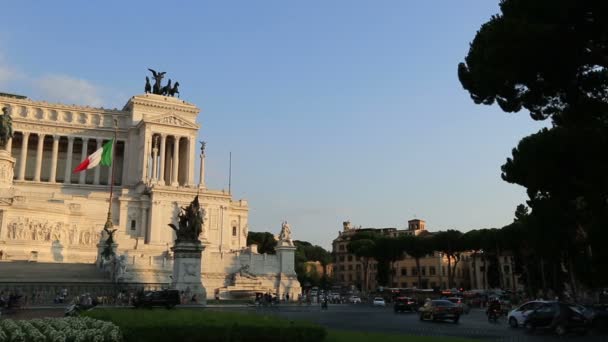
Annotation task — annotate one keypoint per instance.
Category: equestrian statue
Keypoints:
(158, 88)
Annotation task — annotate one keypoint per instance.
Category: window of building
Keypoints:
(443, 285)
(508, 281)
(342, 277)
(234, 231)
(357, 258)
(506, 259)
(350, 267)
(423, 270)
(341, 247)
(414, 271)
(133, 224)
(341, 257)
(395, 285)
(350, 258)
(433, 284)
(350, 277)
(404, 271)
(358, 267)
(341, 267)
(415, 284)
(432, 270)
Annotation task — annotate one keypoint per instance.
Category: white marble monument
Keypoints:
(50, 214)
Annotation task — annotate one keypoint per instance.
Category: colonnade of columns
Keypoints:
(170, 165)
(22, 161)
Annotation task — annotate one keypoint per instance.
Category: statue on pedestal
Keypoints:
(285, 235)
(6, 127)
(190, 222)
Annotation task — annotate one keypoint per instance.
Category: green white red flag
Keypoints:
(102, 156)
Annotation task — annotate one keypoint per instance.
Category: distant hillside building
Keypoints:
(348, 268)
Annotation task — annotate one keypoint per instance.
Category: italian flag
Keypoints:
(102, 155)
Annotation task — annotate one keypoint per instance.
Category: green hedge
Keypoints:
(194, 325)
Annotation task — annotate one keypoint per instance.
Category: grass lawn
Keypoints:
(352, 336)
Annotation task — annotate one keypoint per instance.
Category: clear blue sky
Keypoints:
(333, 110)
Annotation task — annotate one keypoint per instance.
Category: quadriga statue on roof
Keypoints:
(190, 222)
(6, 127)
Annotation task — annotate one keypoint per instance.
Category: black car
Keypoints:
(439, 310)
(166, 298)
(560, 318)
(405, 304)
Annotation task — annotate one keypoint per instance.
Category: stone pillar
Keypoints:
(97, 171)
(187, 269)
(143, 227)
(163, 143)
(54, 156)
(191, 158)
(83, 156)
(288, 280)
(9, 145)
(68, 161)
(39, 152)
(174, 173)
(23, 159)
(155, 159)
(146, 166)
(201, 182)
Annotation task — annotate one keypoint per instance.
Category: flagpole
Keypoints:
(109, 224)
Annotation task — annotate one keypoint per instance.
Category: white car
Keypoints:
(379, 302)
(354, 300)
(517, 316)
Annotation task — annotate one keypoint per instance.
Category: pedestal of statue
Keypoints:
(7, 169)
(187, 270)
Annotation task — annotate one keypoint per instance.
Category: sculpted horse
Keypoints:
(165, 90)
(174, 90)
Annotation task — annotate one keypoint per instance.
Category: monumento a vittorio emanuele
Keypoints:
(50, 214)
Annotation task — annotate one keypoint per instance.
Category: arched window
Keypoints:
(233, 230)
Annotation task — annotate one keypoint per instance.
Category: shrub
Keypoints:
(73, 329)
(201, 325)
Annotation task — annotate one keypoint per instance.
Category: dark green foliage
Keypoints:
(551, 58)
(265, 241)
(305, 252)
(201, 325)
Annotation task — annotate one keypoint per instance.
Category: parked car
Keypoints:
(378, 301)
(459, 301)
(560, 318)
(439, 310)
(166, 298)
(354, 300)
(517, 316)
(405, 303)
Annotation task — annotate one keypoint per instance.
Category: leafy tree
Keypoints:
(265, 241)
(363, 246)
(450, 243)
(548, 56)
(387, 250)
(417, 248)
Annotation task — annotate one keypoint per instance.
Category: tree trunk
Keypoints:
(450, 275)
(418, 272)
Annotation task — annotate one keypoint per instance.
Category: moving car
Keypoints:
(517, 316)
(166, 298)
(405, 303)
(378, 301)
(560, 318)
(464, 308)
(439, 310)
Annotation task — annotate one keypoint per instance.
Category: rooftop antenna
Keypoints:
(230, 174)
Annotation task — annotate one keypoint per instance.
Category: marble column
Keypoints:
(163, 143)
(201, 182)
(68, 161)
(39, 152)
(83, 156)
(144, 221)
(155, 159)
(174, 173)
(9, 145)
(111, 168)
(23, 158)
(54, 156)
(98, 168)
(191, 158)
